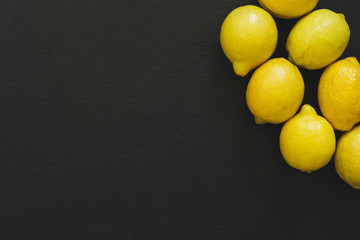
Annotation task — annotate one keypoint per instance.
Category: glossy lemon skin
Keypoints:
(347, 157)
(248, 38)
(339, 93)
(288, 9)
(307, 141)
(318, 39)
(275, 91)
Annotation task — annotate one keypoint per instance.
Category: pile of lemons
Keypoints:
(276, 89)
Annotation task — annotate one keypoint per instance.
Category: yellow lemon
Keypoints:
(248, 38)
(347, 157)
(275, 91)
(339, 93)
(307, 141)
(288, 9)
(318, 39)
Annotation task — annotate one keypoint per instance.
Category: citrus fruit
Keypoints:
(288, 9)
(347, 157)
(339, 93)
(318, 39)
(248, 38)
(275, 91)
(307, 141)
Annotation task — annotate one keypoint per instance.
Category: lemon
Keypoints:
(288, 9)
(248, 38)
(318, 39)
(339, 93)
(347, 157)
(275, 91)
(307, 141)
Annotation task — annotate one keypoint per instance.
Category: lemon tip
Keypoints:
(342, 15)
(259, 121)
(241, 69)
(308, 109)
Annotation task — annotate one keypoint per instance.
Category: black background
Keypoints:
(124, 120)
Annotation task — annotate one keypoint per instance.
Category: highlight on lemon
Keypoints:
(347, 157)
(339, 93)
(288, 9)
(248, 38)
(318, 39)
(307, 141)
(275, 91)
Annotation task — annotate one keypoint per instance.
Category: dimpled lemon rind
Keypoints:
(307, 141)
(248, 38)
(288, 9)
(347, 157)
(275, 91)
(318, 39)
(339, 93)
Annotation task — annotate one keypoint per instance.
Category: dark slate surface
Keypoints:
(124, 120)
